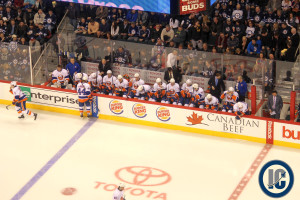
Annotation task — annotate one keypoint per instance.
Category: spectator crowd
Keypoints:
(23, 23)
(240, 27)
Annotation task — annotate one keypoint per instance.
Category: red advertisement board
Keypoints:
(190, 6)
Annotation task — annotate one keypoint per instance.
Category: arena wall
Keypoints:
(251, 128)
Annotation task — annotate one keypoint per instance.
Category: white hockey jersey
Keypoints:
(214, 101)
(172, 90)
(109, 81)
(84, 91)
(139, 82)
(146, 89)
(18, 94)
(157, 87)
(118, 195)
(95, 82)
(199, 92)
(244, 109)
(121, 85)
(187, 88)
(230, 98)
(60, 76)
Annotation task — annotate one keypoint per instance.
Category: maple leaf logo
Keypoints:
(195, 119)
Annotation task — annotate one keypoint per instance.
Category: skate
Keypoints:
(21, 116)
(81, 115)
(35, 116)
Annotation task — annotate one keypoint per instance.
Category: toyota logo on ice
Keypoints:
(143, 176)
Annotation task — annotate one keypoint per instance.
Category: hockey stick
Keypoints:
(8, 106)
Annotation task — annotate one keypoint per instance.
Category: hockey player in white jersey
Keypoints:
(198, 96)
(108, 83)
(77, 79)
(121, 87)
(240, 109)
(172, 92)
(20, 101)
(144, 92)
(211, 102)
(136, 80)
(95, 82)
(158, 91)
(60, 77)
(230, 97)
(119, 192)
(186, 93)
(84, 96)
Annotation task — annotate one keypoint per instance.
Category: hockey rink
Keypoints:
(62, 157)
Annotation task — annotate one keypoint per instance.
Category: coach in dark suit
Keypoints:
(170, 73)
(216, 85)
(275, 105)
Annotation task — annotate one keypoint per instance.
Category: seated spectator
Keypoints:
(93, 27)
(9, 13)
(285, 31)
(23, 41)
(294, 38)
(174, 23)
(13, 44)
(21, 29)
(124, 27)
(238, 13)
(250, 30)
(133, 32)
(31, 31)
(142, 17)
(3, 27)
(221, 43)
(104, 29)
(114, 30)
(122, 57)
(29, 16)
(3, 38)
(144, 34)
(289, 53)
(11, 28)
(132, 16)
(39, 17)
(286, 5)
(50, 21)
(232, 42)
(179, 36)
(253, 48)
(155, 34)
(167, 34)
(101, 12)
(41, 34)
(82, 26)
(228, 28)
